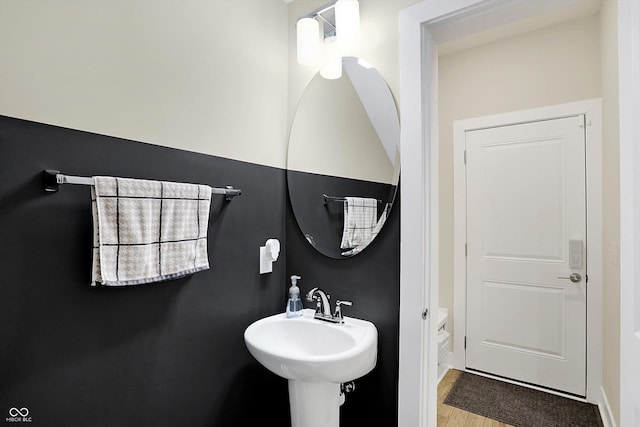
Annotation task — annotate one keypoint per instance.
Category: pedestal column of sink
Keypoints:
(314, 404)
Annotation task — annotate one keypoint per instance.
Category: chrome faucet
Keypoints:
(323, 309)
(322, 301)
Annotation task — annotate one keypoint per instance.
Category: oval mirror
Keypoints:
(343, 163)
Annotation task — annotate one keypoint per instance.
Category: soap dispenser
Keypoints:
(294, 305)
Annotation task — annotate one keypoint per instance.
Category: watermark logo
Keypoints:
(18, 415)
(14, 412)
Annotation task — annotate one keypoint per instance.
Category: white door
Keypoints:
(526, 237)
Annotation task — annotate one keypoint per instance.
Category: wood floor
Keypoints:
(448, 416)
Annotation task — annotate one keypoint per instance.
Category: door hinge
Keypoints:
(465, 249)
(586, 278)
(585, 122)
(465, 157)
(465, 342)
(425, 314)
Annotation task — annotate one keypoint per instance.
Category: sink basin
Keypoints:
(308, 349)
(315, 357)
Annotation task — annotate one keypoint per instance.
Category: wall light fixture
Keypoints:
(326, 34)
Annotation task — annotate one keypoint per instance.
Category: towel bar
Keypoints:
(52, 179)
(326, 199)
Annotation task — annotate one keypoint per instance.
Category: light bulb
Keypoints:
(308, 40)
(332, 69)
(347, 22)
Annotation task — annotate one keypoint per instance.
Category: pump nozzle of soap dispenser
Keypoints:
(294, 304)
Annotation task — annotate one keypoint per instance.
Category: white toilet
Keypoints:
(443, 342)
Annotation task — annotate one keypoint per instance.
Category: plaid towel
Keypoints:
(148, 231)
(360, 218)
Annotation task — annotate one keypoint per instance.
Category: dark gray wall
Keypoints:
(371, 280)
(164, 354)
(169, 353)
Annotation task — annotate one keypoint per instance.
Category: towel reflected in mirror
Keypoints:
(361, 223)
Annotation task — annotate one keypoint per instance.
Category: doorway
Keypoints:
(420, 184)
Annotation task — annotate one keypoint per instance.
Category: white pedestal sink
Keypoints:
(315, 357)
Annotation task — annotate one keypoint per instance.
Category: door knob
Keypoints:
(575, 278)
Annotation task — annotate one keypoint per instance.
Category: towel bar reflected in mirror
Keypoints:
(326, 199)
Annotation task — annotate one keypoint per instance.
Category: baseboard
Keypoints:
(605, 410)
(444, 366)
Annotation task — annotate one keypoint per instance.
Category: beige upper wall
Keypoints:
(611, 207)
(218, 77)
(205, 76)
(554, 65)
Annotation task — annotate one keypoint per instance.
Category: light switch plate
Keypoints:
(266, 265)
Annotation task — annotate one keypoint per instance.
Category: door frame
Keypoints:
(629, 107)
(417, 357)
(592, 109)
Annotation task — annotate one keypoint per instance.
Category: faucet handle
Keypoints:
(338, 313)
